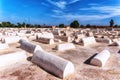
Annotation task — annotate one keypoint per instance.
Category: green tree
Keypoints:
(8, 24)
(116, 26)
(82, 26)
(0, 25)
(74, 24)
(28, 25)
(88, 26)
(61, 25)
(4, 24)
(111, 23)
(14, 25)
(23, 24)
(19, 25)
(39, 26)
(36, 25)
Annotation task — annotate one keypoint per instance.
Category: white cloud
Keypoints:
(60, 4)
(58, 11)
(93, 4)
(73, 1)
(79, 17)
(103, 8)
(102, 12)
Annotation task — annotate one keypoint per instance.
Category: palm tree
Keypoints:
(111, 23)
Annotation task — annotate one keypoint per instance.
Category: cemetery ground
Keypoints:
(83, 71)
(80, 57)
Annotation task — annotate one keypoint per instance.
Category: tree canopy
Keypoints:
(74, 24)
(61, 25)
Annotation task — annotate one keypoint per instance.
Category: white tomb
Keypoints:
(31, 48)
(9, 59)
(53, 64)
(88, 41)
(101, 58)
(65, 46)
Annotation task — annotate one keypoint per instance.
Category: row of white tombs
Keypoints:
(51, 63)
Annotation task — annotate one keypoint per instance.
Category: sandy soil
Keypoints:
(83, 70)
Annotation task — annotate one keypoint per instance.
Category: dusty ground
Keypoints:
(83, 71)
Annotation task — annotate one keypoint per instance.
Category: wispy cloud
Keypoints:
(111, 11)
(79, 17)
(93, 4)
(73, 1)
(60, 4)
(103, 8)
(102, 12)
(58, 11)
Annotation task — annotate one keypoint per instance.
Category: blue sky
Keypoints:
(54, 12)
